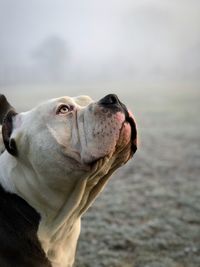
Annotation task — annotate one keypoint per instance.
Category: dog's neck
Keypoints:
(59, 226)
(60, 207)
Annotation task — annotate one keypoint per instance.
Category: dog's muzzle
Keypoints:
(113, 103)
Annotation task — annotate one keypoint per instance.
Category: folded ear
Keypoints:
(7, 114)
(7, 129)
(4, 107)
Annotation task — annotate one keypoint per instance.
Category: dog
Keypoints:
(55, 159)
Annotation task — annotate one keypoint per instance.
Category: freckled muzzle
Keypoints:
(114, 105)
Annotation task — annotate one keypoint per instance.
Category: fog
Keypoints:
(78, 42)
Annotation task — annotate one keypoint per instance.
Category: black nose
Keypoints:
(109, 100)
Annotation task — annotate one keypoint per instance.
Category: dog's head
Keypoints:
(75, 131)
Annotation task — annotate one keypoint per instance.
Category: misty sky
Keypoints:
(65, 40)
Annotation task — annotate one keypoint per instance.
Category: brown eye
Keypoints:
(63, 109)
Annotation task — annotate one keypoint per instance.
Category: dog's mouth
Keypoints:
(129, 119)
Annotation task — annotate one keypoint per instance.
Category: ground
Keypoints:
(149, 214)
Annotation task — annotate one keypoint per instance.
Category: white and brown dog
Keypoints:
(55, 159)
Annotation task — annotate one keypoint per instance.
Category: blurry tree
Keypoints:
(51, 58)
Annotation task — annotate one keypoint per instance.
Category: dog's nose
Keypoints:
(109, 100)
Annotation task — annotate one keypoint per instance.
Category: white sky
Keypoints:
(130, 39)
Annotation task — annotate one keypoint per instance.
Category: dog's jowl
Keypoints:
(54, 161)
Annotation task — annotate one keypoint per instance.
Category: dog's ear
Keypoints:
(4, 107)
(7, 114)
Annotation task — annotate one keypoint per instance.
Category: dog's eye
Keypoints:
(63, 109)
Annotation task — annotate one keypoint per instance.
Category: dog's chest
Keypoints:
(19, 245)
(60, 247)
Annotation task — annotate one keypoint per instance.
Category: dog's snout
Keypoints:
(109, 100)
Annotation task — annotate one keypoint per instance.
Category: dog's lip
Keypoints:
(130, 119)
(132, 123)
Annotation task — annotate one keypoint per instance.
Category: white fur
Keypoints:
(53, 171)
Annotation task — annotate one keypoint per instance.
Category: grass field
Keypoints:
(149, 214)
